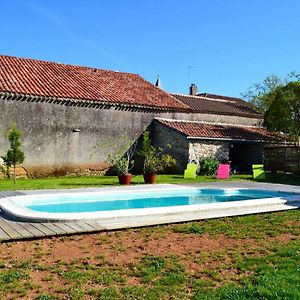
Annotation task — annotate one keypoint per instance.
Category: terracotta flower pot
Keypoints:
(125, 179)
(149, 178)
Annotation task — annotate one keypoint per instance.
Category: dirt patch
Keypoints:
(210, 258)
(67, 170)
(284, 238)
(125, 247)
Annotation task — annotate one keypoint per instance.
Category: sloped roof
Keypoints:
(203, 130)
(50, 79)
(221, 105)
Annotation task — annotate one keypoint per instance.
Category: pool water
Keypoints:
(134, 200)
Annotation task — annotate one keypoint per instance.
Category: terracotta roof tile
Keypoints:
(218, 97)
(218, 131)
(50, 79)
(215, 104)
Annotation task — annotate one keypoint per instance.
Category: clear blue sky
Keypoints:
(223, 46)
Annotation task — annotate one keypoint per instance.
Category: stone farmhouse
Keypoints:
(68, 116)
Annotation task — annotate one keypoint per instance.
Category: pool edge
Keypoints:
(168, 215)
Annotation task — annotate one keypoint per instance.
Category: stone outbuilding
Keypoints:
(193, 140)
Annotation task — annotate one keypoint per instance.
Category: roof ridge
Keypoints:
(200, 96)
(205, 122)
(217, 95)
(186, 95)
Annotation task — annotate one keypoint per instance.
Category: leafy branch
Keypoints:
(154, 158)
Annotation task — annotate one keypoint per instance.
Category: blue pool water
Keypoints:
(133, 200)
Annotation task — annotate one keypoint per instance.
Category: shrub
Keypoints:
(14, 155)
(208, 166)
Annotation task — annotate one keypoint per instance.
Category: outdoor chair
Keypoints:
(223, 171)
(191, 170)
(258, 172)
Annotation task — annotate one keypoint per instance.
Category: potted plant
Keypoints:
(122, 161)
(123, 166)
(154, 159)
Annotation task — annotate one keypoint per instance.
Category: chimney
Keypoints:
(193, 89)
(158, 83)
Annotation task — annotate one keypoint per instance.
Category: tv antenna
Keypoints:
(189, 69)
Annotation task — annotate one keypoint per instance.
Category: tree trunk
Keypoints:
(14, 173)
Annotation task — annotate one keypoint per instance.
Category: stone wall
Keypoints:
(199, 149)
(63, 137)
(49, 138)
(223, 119)
(184, 149)
(162, 136)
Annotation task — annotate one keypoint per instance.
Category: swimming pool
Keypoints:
(138, 201)
(131, 200)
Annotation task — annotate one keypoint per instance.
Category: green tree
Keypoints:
(260, 93)
(14, 155)
(283, 113)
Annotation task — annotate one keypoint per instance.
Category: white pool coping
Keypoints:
(11, 206)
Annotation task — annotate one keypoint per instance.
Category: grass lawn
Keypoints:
(249, 257)
(81, 182)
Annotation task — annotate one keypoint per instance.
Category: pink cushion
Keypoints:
(223, 171)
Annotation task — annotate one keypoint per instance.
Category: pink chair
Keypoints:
(223, 171)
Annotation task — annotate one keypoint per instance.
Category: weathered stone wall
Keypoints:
(162, 136)
(199, 149)
(50, 142)
(49, 138)
(224, 119)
